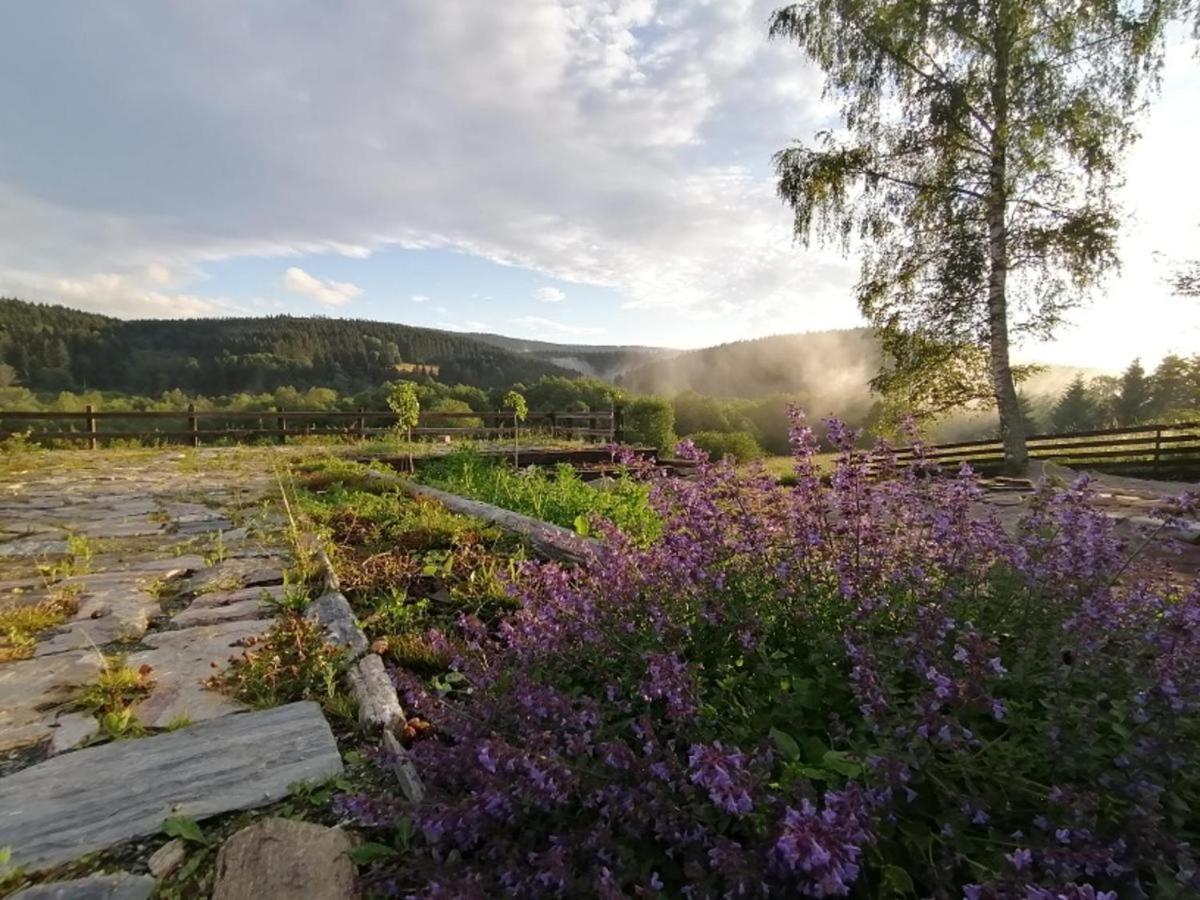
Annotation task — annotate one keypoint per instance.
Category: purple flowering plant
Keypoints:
(853, 686)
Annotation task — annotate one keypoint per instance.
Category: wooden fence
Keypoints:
(1168, 451)
(92, 428)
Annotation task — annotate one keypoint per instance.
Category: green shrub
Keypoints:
(741, 445)
(650, 421)
(450, 405)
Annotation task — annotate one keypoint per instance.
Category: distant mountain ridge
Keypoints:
(606, 361)
(58, 348)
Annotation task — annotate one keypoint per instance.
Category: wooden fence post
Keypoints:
(193, 425)
(1157, 449)
(360, 425)
(281, 422)
(618, 423)
(553, 425)
(91, 426)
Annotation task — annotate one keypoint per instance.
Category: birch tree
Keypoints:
(982, 144)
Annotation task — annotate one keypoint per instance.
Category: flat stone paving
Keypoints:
(93, 798)
(174, 559)
(184, 560)
(1132, 504)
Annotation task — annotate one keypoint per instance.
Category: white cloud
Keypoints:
(549, 295)
(329, 293)
(419, 298)
(468, 325)
(157, 273)
(541, 326)
(113, 294)
(628, 147)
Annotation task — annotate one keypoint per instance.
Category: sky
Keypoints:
(587, 171)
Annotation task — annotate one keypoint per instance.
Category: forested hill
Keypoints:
(56, 348)
(827, 370)
(605, 361)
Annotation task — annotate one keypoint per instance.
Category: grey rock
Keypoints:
(71, 730)
(176, 565)
(72, 805)
(121, 528)
(167, 858)
(378, 705)
(237, 572)
(213, 614)
(118, 886)
(204, 526)
(111, 608)
(284, 859)
(34, 546)
(29, 687)
(335, 616)
(225, 598)
(181, 662)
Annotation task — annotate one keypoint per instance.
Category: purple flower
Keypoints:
(820, 848)
(722, 773)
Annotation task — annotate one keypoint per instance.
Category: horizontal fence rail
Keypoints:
(1167, 451)
(94, 427)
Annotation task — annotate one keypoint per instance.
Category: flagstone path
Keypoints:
(172, 559)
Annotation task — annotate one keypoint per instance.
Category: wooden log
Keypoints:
(548, 540)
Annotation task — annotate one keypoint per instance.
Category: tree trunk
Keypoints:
(1012, 427)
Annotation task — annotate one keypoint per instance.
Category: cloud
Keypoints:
(329, 293)
(419, 298)
(549, 295)
(468, 325)
(628, 147)
(110, 293)
(541, 326)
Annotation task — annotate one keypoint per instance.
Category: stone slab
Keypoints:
(224, 598)
(91, 799)
(112, 608)
(231, 574)
(206, 614)
(72, 729)
(117, 886)
(181, 662)
(30, 688)
(283, 859)
(121, 528)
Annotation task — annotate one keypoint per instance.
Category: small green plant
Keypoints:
(117, 687)
(10, 876)
(81, 553)
(186, 829)
(16, 443)
(293, 600)
(20, 625)
(292, 661)
(394, 613)
(515, 401)
(216, 550)
(114, 693)
(402, 400)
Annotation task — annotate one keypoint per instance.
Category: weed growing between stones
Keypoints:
(114, 693)
(851, 687)
(20, 625)
(291, 662)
